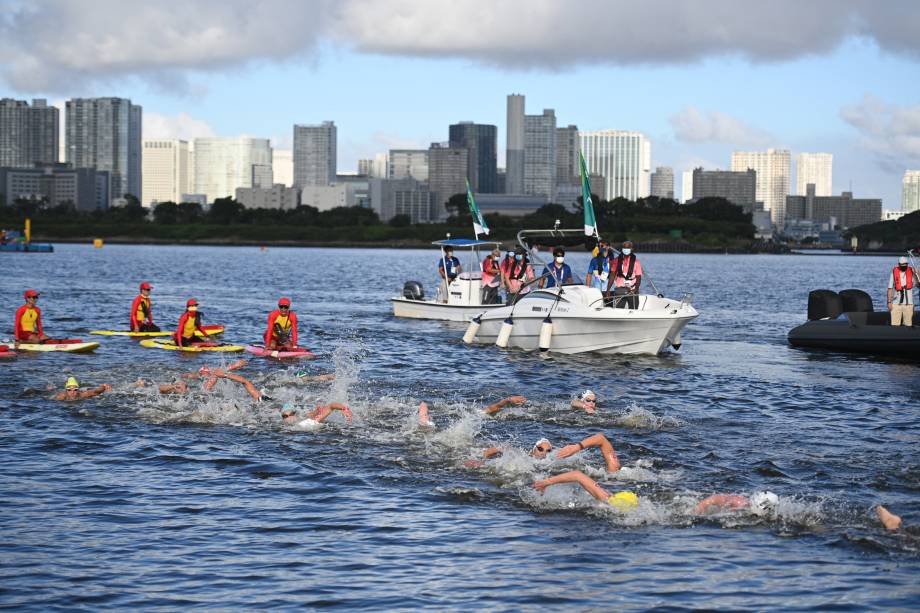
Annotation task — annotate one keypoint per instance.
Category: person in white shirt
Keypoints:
(900, 293)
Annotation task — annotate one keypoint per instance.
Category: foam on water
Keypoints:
(639, 418)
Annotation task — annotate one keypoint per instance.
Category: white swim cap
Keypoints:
(763, 502)
(586, 393)
(540, 442)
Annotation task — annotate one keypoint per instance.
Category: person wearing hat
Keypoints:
(599, 268)
(586, 402)
(141, 314)
(28, 327)
(900, 293)
(760, 504)
(626, 277)
(518, 272)
(558, 272)
(72, 391)
(189, 324)
(281, 334)
(448, 269)
(543, 447)
(624, 501)
(491, 277)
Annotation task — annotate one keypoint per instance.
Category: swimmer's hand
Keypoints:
(567, 451)
(516, 400)
(473, 464)
(540, 486)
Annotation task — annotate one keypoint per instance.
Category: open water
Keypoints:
(133, 500)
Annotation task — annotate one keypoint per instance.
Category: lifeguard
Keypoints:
(281, 333)
(141, 313)
(29, 320)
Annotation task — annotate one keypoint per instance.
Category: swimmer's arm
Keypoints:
(595, 440)
(578, 404)
(105, 387)
(59, 396)
(237, 365)
(210, 383)
(491, 452)
(575, 476)
(317, 378)
(498, 406)
(720, 501)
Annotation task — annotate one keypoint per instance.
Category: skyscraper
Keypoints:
(567, 170)
(224, 164)
(663, 182)
(408, 164)
(28, 134)
(686, 186)
(447, 172)
(105, 134)
(481, 141)
(910, 191)
(623, 158)
(283, 167)
(315, 151)
(165, 171)
(514, 155)
(737, 187)
(540, 154)
(815, 168)
(772, 168)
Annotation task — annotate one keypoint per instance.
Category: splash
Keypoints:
(642, 419)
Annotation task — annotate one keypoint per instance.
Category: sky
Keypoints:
(700, 78)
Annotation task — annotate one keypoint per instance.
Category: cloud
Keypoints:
(890, 131)
(181, 126)
(691, 125)
(65, 46)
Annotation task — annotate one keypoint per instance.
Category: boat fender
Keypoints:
(505, 333)
(546, 334)
(676, 342)
(472, 330)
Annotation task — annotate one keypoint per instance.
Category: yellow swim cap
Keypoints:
(71, 382)
(624, 501)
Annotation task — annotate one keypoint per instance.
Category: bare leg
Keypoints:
(888, 519)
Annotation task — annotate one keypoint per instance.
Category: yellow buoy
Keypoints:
(97, 243)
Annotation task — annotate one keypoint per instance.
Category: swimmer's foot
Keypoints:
(888, 519)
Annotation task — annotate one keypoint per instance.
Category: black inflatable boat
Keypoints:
(847, 322)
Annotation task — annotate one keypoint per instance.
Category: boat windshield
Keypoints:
(537, 241)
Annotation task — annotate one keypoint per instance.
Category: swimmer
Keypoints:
(587, 402)
(492, 409)
(179, 387)
(759, 504)
(891, 521)
(316, 416)
(623, 501)
(212, 375)
(543, 447)
(72, 391)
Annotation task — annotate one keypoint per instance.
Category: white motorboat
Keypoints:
(463, 299)
(576, 319)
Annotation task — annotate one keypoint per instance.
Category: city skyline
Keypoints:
(697, 99)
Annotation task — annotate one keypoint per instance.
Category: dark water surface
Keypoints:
(136, 500)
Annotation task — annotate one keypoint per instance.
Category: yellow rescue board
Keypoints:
(171, 346)
(212, 330)
(65, 347)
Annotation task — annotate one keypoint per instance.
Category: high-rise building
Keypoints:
(28, 134)
(408, 164)
(814, 168)
(392, 197)
(481, 141)
(165, 171)
(841, 212)
(737, 187)
(540, 154)
(514, 153)
(224, 164)
(662, 182)
(910, 191)
(86, 189)
(376, 167)
(447, 172)
(686, 186)
(315, 151)
(623, 158)
(277, 196)
(567, 170)
(772, 168)
(283, 167)
(105, 134)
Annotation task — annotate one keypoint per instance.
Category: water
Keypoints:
(138, 500)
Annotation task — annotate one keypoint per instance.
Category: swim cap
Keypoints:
(145, 285)
(624, 501)
(763, 502)
(586, 393)
(540, 442)
(71, 382)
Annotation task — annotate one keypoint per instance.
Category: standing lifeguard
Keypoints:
(281, 333)
(141, 314)
(189, 324)
(29, 320)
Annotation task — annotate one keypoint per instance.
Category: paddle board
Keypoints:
(171, 346)
(300, 352)
(72, 346)
(6, 352)
(212, 330)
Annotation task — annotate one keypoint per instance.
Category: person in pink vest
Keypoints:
(625, 278)
(491, 277)
(900, 293)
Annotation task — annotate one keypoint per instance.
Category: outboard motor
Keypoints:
(824, 304)
(856, 301)
(413, 290)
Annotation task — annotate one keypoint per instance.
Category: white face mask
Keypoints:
(560, 259)
(627, 251)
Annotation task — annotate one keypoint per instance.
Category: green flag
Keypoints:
(479, 224)
(590, 221)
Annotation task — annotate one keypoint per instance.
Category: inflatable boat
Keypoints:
(847, 322)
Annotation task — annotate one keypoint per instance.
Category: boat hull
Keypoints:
(842, 335)
(429, 309)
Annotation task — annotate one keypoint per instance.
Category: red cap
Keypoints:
(191, 302)
(31, 293)
(145, 285)
(284, 302)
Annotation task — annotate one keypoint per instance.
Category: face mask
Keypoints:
(902, 266)
(560, 259)
(519, 257)
(627, 251)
